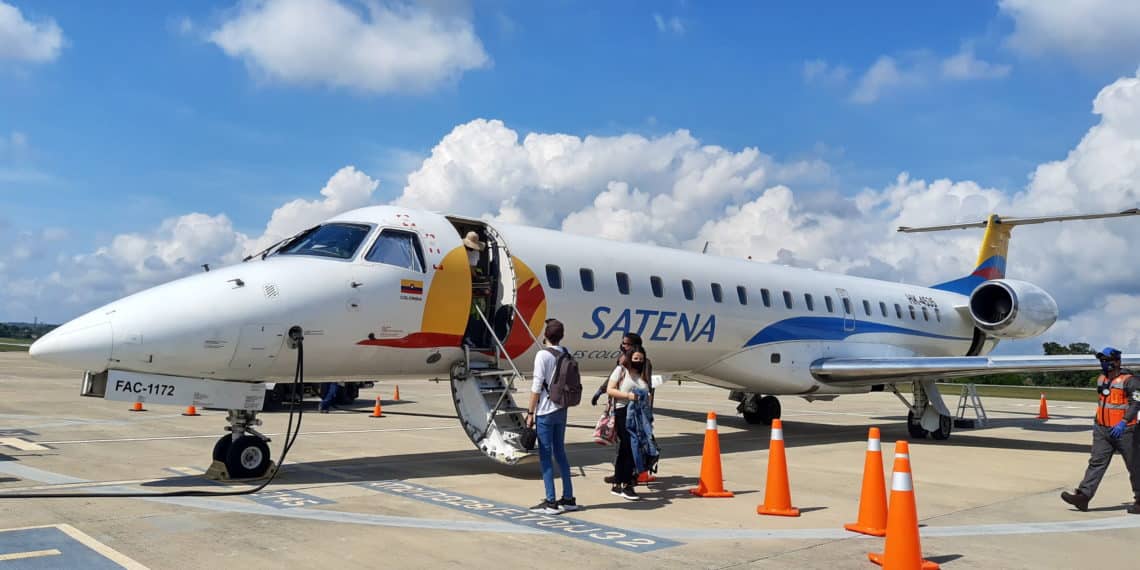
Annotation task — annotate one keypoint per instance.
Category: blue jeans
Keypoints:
(552, 442)
(331, 388)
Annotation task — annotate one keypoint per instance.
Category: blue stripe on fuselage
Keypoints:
(829, 328)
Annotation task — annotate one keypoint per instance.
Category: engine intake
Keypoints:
(1006, 308)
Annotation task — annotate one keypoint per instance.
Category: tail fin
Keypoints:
(995, 245)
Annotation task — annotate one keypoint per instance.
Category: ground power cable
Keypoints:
(290, 438)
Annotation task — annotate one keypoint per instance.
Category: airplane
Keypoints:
(385, 292)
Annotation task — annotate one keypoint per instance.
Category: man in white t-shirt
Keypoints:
(549, 419)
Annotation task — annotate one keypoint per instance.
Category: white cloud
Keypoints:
(347, 189)
(965, 66)
(819, 71)
(373, 47)
(672, 25)
(888, 74)
(1085, 30)
(25, 41)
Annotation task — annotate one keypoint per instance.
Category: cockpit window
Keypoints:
(338, 241)
(399, 248)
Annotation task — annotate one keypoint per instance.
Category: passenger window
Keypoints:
(687, 288)
(554, 276)
(867, 307)
(766, 297)
(623, 283)
(827, 302)
(912, 317)
(787, 299)
(809, 302)
(398, 248)
(338, 241)
(847, 306)
(925, 315)
(742, 294)
(898, 310)
(657, 286)
(718, 295)
(883, 309)
(587, 276)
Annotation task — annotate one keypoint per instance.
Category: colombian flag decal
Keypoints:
(411, 287)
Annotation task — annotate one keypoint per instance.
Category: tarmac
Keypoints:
(410, 491)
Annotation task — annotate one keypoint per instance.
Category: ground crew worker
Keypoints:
(1118, 401)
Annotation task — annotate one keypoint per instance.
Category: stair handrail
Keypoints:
(502, 397)
(526, 326)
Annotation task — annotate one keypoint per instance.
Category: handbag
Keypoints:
(528, 437)
(605, 432)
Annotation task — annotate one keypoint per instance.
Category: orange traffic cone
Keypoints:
(1043, 413)
(873, 500)
(903, 549)
(376, 411)
(191, 411)
(712, 481)
(138, 407)
(777, 493)
(397, 396)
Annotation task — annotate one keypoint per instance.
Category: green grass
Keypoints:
(6, 344)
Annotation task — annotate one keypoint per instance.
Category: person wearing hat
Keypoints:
(1118, 401)
(474, 249)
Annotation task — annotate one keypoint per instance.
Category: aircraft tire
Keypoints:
(769, 409)
(914, 428)
(753, 418)
(222, 447)
(247, 458)
(945, 425)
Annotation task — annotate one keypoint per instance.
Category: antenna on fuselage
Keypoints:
(705, 249)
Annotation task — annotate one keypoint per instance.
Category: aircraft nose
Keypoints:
(82, 345)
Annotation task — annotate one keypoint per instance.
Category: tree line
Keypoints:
(1086, 379)
(28, 331)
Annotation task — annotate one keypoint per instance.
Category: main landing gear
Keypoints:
(243, 453)
(928, 415)
(757, 409)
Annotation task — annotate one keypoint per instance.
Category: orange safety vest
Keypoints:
(1110, 408)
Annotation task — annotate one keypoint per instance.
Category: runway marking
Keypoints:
(232, 506)
(21, 444)
(215, 436)
(29, 554)
(286, 499)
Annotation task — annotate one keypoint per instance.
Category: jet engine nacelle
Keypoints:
(1006, 308)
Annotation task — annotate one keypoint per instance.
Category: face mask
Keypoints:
(1106, 366)
(637, 366)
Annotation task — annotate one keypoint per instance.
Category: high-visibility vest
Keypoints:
(1110, 408)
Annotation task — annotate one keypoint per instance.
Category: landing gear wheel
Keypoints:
(914, 428)
(945, 424)
(753, 417)
(769, 409)
(247, 458)
(222, 447)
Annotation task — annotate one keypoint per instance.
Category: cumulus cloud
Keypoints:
(820, 71)
(349, 188)
(965, 66)
(365, 46)
(25, 41)
(1085, 30)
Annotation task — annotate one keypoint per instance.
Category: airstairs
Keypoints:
(483, 388)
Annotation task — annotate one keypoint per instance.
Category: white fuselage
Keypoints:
(366, 319)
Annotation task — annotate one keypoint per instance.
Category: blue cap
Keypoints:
(1108, 352)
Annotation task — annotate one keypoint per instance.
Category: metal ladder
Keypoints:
(969, 400)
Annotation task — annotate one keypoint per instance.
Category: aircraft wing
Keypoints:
(868, 371)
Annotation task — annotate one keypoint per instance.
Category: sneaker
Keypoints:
(568, 505)
(547, 508)
(616, 490)
(629, 494)
(1081, 502)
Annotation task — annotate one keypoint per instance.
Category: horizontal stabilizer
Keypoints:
(868, 371)
(1019, 221)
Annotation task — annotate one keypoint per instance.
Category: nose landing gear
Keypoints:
(243, 453)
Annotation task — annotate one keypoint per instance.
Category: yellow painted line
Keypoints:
(29, 554)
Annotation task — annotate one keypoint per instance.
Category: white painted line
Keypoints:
(21, 444)
(85, 484)
(32, 474)
(215, 435)
(107, 552)
(29, 554)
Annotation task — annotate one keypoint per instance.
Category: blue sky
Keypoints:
(143, 114)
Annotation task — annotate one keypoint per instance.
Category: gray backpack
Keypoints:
(565, 388)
